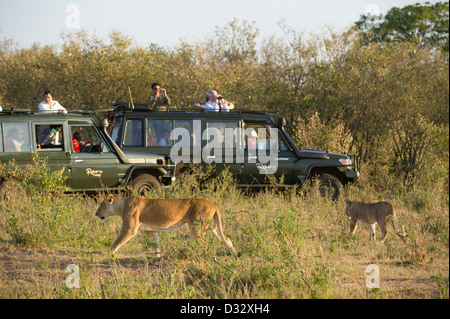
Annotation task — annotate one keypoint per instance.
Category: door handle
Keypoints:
(252, 157)
(78, 161)
(211, 157)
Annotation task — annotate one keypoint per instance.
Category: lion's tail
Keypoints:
(218, 231)
(400, 231)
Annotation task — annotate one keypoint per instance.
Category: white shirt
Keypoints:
(210, 106)
(162, 142)
(44, 107)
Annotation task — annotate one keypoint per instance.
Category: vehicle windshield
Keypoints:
(115, 130)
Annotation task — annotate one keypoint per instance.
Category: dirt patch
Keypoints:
(16, 260)
(13, 259)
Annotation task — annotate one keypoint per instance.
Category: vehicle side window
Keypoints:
(49, 137)
(85, 139)
(158, 132)
(253, 134)
(16, 137)
(133, 133)
(188, 125)
(227, 133)
(283, 146)
(115, 130)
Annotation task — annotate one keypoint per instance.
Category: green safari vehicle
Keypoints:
(252, 145)
(73, 141)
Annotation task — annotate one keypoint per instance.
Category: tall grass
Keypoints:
(293, 245)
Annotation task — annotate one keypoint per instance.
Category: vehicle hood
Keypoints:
(307, 153)
(142, 158)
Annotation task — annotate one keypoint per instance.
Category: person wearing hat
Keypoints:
(216, 102)
(252, 140)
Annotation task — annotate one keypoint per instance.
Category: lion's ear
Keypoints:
(110, 198)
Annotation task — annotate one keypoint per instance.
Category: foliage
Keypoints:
(35, 178)
(425, 24)
(315, 134)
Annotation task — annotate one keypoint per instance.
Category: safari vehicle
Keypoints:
(91, 163)
(224, 139)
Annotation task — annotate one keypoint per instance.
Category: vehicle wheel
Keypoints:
(144, 183)
(329, 186)
(8, 189)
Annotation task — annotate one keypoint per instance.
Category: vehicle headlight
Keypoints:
(346, 161)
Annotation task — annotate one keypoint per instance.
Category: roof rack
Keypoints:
(127, 107)
(90, 111)
(16, 111)
(122, 106)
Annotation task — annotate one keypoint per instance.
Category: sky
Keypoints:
(167, 22)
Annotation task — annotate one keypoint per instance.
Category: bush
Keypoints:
(35, 178)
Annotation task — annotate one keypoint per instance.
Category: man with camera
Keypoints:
(217, 103)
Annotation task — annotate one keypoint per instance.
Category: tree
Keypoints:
(426, 24)
(411, 138)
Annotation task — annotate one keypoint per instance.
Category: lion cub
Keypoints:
(372, 213)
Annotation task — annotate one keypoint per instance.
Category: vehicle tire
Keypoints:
(9, 188)
(144, 183)
(329, 186)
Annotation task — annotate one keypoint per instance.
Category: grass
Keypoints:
(293, 246)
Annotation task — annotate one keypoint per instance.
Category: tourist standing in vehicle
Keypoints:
(159, 99)
(217, 103)
(49, 105)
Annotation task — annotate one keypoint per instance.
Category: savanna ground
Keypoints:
(294, 244)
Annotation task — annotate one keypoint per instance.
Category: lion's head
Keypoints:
(105, 209)
(348, 209)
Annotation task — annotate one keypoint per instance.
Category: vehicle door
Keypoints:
(51, 145)
(223, 145)
(266, 155)
(286, 161)
(186, 141)
(93, 165)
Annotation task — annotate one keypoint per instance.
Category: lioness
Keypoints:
(153, 215)
(371, 213)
